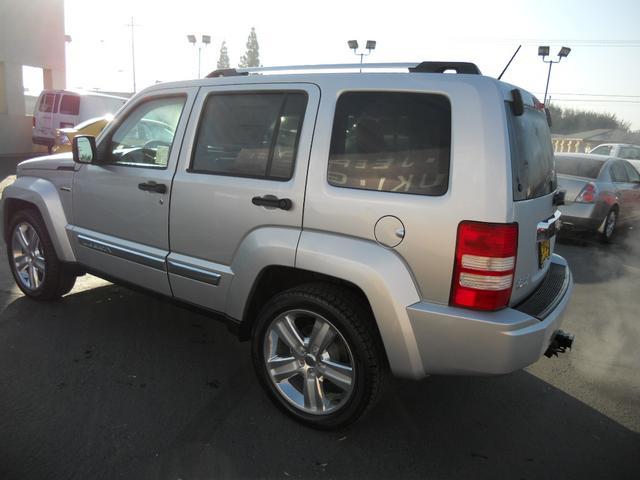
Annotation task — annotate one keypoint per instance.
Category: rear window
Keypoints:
(391, 142)
(46, 103)
(579, 166)
(531, 154)
(70, 105)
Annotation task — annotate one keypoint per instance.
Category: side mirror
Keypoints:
(84, 149)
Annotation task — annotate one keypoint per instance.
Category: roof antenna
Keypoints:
(514, 56)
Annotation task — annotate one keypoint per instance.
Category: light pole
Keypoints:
(206, 40)
(353, 45)
(544, 52)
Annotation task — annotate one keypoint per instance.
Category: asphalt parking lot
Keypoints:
(109, 383)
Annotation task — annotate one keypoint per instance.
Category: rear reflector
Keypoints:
(484, 265)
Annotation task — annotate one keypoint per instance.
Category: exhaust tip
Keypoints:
(560, 343)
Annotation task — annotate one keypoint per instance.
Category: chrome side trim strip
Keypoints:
(122, 252)
(194, 273)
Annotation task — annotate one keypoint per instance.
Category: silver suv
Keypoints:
(348, 224)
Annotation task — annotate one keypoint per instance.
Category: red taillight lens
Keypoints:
(33, 121)
(588, 194)
(484, 265)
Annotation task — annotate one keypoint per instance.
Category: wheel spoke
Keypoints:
(33, 277)
(20, 262)
(282, 368)
(288, 332)
(22, 240)
(313, 394)
(34, 241)
(321, 337)
(340, 374)
(38, 262)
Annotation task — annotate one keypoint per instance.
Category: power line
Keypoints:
(593, 100)
(593, 95)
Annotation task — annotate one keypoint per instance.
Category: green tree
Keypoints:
(568, 120)
(223, 60)
(252, 56)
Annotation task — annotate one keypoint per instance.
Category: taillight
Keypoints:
(33, 121)
(485, 263)
(588, 194)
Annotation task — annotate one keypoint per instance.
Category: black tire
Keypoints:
(346, 312)
(57, 280)
(608, 231)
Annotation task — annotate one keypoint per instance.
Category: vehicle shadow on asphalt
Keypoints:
(109, 383)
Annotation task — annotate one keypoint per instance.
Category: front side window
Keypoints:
(602, 150)
(391, 142)
(70, 105)
(146, 135)
(250, 134)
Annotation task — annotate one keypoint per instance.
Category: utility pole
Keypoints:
(133, 52)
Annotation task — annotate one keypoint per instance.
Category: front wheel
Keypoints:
(318, 356)
(33, 260)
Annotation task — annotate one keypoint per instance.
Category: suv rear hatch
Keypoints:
(534, 185)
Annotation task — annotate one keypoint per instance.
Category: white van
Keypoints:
(63, 109)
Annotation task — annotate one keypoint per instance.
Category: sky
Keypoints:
(602, 72)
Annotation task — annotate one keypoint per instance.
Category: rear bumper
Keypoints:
(467, 342)
(582, 216)
(43, 140)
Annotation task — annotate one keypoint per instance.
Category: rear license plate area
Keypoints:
(544, 252)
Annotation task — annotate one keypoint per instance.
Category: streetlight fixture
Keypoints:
(543, 51)
(205, 40)
(353, 45)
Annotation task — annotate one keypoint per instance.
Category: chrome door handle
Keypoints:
(272, 201)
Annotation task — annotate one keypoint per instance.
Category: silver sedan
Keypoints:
(601, 192)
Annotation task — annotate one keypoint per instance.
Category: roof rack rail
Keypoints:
(336, 66)
(414, 67)
(441, 67)
(226, 72)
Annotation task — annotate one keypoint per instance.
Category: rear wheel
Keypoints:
(609, 227)
(33, 260)
(317, 357)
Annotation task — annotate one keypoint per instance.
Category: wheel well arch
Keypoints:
(11, 206)
(276, 278)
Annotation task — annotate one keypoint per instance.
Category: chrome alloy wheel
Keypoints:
(611, 223)
(28, 257)
(309, 362)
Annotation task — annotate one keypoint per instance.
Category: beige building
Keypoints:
(31, 34)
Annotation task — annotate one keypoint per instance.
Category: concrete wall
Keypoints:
(31, 33)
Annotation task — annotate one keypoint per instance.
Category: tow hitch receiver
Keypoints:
(560, 343)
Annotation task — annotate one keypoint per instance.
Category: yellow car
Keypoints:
(64, 136)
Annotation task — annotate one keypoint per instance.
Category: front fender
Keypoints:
(44, 195)
(385, 280)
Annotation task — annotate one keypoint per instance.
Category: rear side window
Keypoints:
(70, 105)
(250, 134)
(618, 173)
(578, 166)
(391, 142)
(632, 173)
(532, 161)
(631, 153)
